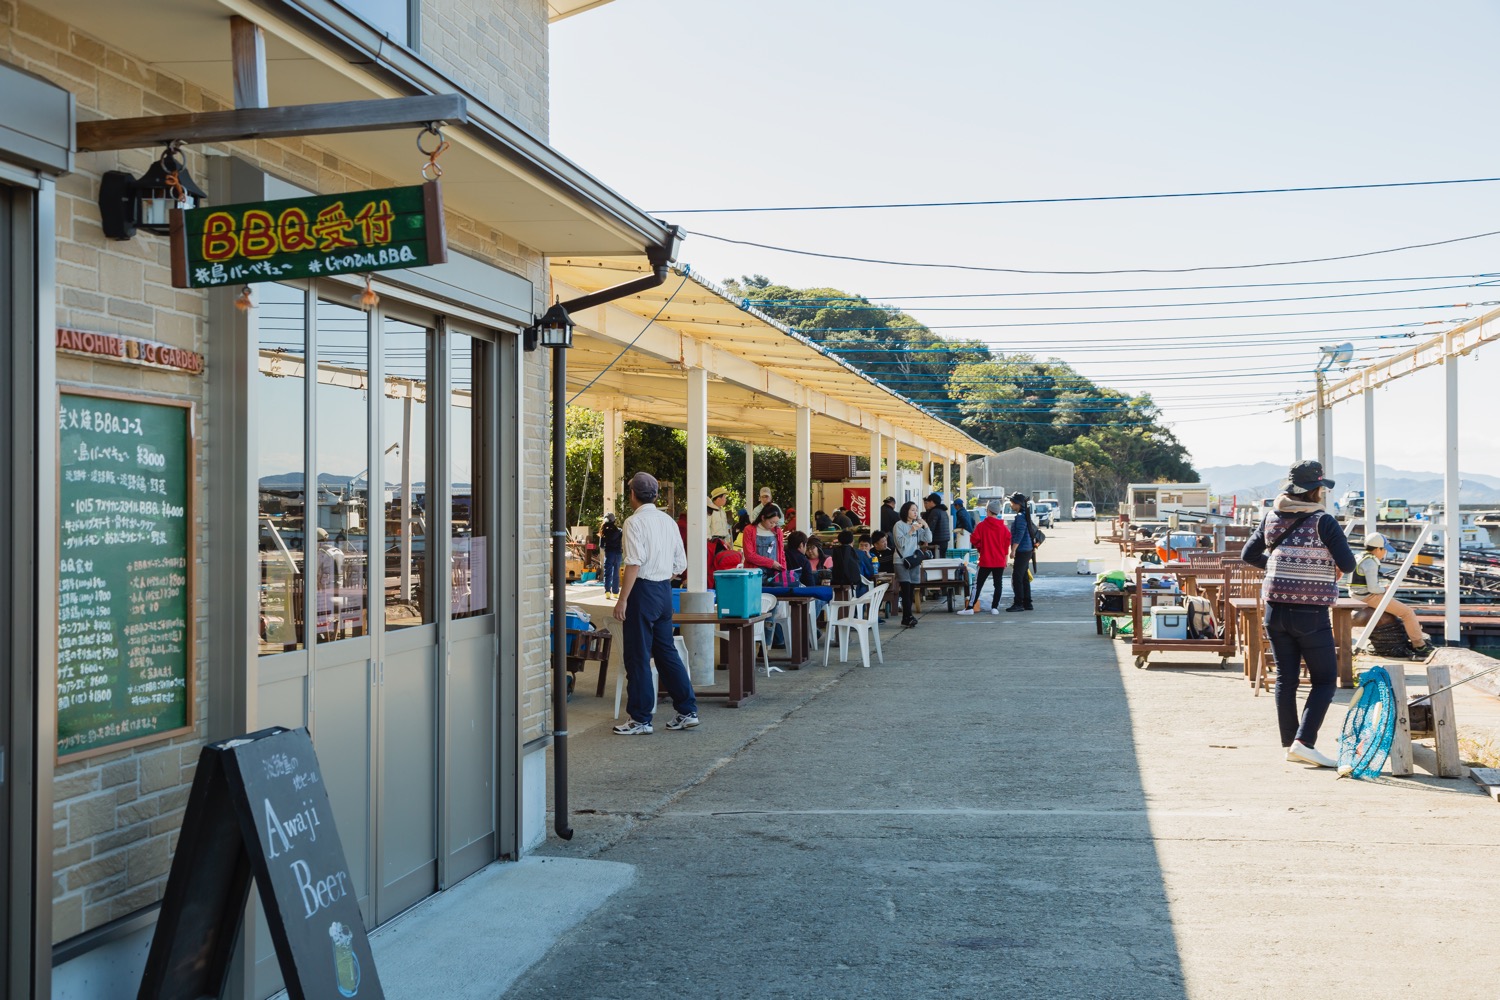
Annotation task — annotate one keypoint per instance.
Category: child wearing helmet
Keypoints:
(1365, 584)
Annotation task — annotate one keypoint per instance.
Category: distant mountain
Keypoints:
(1264, 479)
(293, 481)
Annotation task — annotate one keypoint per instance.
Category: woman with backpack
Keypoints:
(907, 537)
(1023, 541)
(1302, 548)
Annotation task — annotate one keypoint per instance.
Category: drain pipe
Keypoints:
(660, 257)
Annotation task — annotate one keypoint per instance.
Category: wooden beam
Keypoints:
(272, 123)
(247, 48)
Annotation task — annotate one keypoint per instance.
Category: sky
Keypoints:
(707, 104)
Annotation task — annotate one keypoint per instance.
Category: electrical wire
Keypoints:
(590, 383)
(1142, 319)
(1137, 270)
(1233, 192)
(871, 299)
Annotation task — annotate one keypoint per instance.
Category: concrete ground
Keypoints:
(1007, 808)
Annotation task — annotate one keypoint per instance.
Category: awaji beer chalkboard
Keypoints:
(125, 571)
(259, 809)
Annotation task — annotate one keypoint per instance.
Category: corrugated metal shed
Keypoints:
(1025, 470)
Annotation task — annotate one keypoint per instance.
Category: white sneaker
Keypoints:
(1308, 755)
(966, 611)
(631, 727)
(994, 611)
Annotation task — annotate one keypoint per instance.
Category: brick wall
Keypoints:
(116, 816)
(499, 50)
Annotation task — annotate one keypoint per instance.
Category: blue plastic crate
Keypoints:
(737, 592)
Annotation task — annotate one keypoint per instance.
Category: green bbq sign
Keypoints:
(311, 237)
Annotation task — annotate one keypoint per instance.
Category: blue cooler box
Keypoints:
(737, 592)
(576, 620)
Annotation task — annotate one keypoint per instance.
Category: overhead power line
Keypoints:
(1134, 270)
(1228, 193)
(874, 300)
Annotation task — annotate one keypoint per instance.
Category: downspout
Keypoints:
(660, 258)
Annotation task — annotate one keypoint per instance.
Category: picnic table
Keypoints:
(1251, 614)
(799, 644)
(741, 654)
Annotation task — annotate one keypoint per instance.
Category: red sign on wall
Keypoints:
(857, 502)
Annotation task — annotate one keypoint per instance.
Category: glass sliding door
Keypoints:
(407, 743)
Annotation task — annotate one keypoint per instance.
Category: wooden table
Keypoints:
(741, 654)
(798, 646)
(1252, 620)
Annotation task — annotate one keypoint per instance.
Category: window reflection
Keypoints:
(468, 525)
(341, 494)
(408, 475)
(280, 461)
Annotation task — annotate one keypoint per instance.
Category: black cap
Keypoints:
(933, 497)
(1019, 499)
(1306, 476)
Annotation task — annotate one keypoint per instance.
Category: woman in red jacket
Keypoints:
(992, 538)
(762, 543)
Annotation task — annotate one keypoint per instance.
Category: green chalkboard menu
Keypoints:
(125, 570)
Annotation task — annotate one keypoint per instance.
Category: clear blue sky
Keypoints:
(684, 104)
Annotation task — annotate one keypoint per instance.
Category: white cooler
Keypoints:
(1090, 567)
(1169, 622)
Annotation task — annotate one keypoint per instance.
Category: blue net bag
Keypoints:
(1369, 727)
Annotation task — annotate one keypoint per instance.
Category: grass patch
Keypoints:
(1479, 750)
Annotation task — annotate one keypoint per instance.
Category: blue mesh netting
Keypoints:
(1369, 727)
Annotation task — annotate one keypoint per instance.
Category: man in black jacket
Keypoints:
(888, 515)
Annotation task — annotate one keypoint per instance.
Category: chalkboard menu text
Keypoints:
(125, 570)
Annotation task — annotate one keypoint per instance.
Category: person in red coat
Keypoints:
(992, 538)
(763, 545)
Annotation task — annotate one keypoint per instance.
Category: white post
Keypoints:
(926, 484)
(876, 493)
(1324, 429)
(890, 472)
(611, 458)
(699, 638)
(1452, 522)
(1296, 439)
(1369, 456)
(963, 477)
(749, 476)
(804, 469)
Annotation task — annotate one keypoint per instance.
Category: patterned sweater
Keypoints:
(1304, 568)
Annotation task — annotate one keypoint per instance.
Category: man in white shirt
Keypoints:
(765, 498)
(718, 521)
(653, 555)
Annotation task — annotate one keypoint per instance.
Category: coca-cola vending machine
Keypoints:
(857, 502)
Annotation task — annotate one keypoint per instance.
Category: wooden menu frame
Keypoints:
(190, 470)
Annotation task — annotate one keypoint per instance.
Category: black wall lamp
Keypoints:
(127, 203)
(554, 329)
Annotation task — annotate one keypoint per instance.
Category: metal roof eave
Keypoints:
(717, 323)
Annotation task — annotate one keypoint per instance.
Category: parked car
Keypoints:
(1045, 512)
(1083, 511)
(1392, 510)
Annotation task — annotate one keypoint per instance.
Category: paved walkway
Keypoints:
(1007, 808)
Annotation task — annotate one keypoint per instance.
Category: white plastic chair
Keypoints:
(865, 619)
(682, 652)
(768, 602)
(835, 608)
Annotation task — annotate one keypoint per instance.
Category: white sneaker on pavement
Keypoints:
(994, 611)
(966, 611)
(1308, 755)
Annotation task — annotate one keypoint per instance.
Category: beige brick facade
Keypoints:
(116, 816)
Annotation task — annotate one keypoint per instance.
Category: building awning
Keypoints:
(559, 9)
(496, 173)
(760, 372)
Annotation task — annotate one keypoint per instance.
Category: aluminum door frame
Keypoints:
(28, 369)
